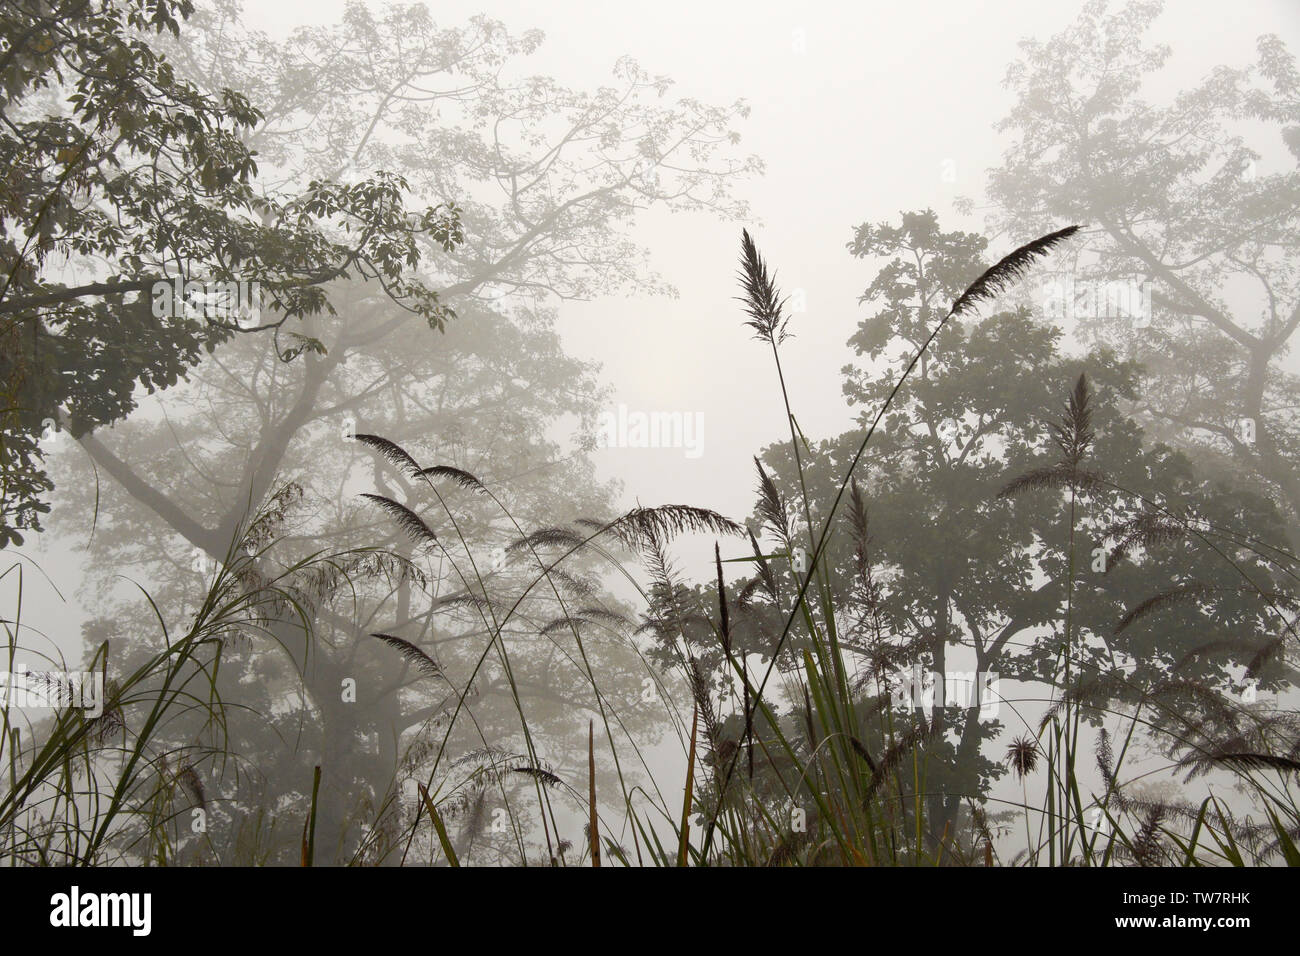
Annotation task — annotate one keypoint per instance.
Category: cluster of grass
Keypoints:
(113, 786)
(795, 754)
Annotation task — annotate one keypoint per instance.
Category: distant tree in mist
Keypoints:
(1198, 195)
(123, 177)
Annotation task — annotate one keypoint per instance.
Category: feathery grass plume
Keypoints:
(393, 453)
(1196, 692)
(861, 750)
(765, 579)
(667, 612)
(562, 623)
(545, 538)
(100, 729)
(1190, 591)
(700, 691)
(190, 782)
(662, 523)
(763, 303)
(486, 760)
(582, 616)
(1105, 758)
(1255, 761)
(1146, 848)
(770, 507)
(1263, 657)
(1022, 756)
(666, 624)
(475, 815)
(604, 615)
(406, 519)
(458, 475)
(1008, 270)
(319, 583)
(859, 527)
(1051, 477)
(983, 832)
(893, 756)
(271, 517)
(864, 592)
(745, 596)
(541, 774)
(1074, 434)
(1212, 647)
(1146, 530)
(1186, 812)
(469, 599)
(412, 654)
(574, 585)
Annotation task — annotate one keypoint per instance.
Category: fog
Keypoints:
(603, 365)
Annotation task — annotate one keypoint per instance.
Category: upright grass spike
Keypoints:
(771, 509)
(724, 629)
(1074, 434)
(762, 301)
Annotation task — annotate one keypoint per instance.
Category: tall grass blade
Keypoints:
(441, 829)
(684, 841)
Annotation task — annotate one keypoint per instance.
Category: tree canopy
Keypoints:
(123, 175)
